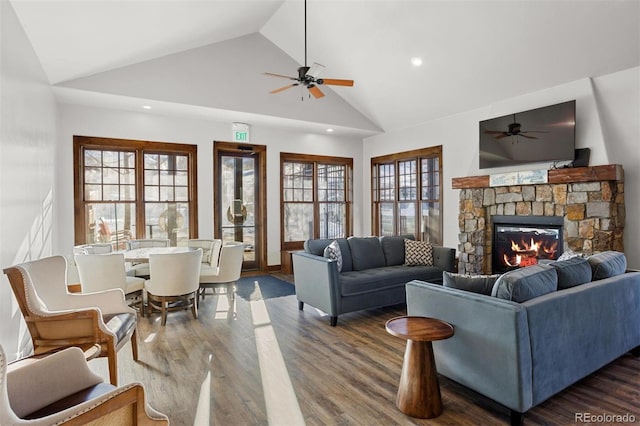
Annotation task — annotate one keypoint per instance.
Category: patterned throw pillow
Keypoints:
(332, 251)
(569, 254)
(418, 253)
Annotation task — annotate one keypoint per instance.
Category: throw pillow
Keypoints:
(332, 251)
(572, 272)
(482, 284)
(607, 264)
(569, 254)
(418, 253)
(523, 284)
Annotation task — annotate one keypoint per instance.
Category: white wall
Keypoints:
(89, 121)
(27, 152)
(607, 111)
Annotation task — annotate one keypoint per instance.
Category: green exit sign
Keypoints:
(240, 132)
(241, 136)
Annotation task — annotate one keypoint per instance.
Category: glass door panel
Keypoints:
(238, 189)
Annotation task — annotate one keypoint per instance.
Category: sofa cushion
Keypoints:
(418, 253)
(482, 284)
(366, 253)
(317, 247)
(572, 272)
(526, 283)
(393, 249)
(332, 251)
(375, 279)
(607, 264)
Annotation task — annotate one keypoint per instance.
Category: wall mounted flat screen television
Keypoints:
(534, 136)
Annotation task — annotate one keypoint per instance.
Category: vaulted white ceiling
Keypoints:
(205, 58)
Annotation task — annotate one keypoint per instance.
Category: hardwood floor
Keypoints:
(259, 363)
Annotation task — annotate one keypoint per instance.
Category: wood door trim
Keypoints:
(261, 218)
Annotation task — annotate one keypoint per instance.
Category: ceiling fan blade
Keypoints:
(315, 70)
(336, 82)
(283, 88)
(316, 92)
(503, 135)
(278, 75)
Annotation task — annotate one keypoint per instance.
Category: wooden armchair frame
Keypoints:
(39, 384)
(81, 324)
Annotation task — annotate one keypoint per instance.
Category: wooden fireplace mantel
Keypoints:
(611, 172)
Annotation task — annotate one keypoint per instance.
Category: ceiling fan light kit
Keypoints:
(309, 76)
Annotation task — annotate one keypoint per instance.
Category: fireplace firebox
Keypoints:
(520, 241)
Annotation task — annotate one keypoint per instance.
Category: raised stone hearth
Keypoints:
(590, 199)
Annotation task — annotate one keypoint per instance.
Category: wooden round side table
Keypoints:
(419, 390)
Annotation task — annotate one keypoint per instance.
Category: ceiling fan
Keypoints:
(514, 129)
(309, 76)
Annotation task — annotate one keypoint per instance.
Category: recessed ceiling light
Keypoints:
(146, 106)
(329, 130)
(416, 61)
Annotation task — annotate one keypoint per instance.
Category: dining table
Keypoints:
(141, 255)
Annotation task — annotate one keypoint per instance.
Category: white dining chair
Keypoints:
(174, 282)
(142, 269)
(96, 248)
(98, 272)
(210, 253)
(227, 272)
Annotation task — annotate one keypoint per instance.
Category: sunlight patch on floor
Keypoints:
(203, 410)
(222, 307)
(279, 396)
(150, 338)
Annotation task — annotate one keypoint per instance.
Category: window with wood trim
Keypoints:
(126, 189)
(407, 194)
(315, 198)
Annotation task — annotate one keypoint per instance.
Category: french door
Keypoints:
(239, 212)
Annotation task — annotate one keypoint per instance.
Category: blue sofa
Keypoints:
(520, 354)
(373, 274)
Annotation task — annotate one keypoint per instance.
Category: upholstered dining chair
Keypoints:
(227, 272)
(210, 253)
(96, 248)
(174, 282)
(58, 319)
(61, 389)
(98, 272)
(142, 269)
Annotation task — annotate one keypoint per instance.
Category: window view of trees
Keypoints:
(316, 198)
(406, 194)
(124, 198)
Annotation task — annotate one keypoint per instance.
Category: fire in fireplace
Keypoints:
(520, 241)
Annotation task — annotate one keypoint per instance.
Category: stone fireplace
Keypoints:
(587, 201)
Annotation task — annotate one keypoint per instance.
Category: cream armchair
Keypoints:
(58, 319)
(61, 389)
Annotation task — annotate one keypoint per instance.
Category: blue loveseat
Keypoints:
(373, 273)
(521, 353)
